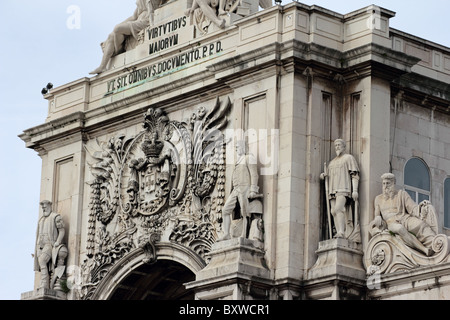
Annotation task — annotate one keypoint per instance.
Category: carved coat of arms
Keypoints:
(165, 183)
(153, 168)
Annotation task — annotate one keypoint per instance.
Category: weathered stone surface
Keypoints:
(138, 160)
(44, 294)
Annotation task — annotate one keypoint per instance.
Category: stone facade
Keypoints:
(139, 159)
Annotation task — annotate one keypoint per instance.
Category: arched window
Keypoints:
(417, 179)
(447, 203)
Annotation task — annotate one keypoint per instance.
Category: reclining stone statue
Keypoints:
(406, 228)
(114, 44)
(397, 212)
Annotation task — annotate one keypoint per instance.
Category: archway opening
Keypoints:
(163, 280)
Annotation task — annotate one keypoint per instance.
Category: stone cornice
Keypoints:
(343, 17)
(217, 79)
(370, 59)
(424, 91)
(60, 128)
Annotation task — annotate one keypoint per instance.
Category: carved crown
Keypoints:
(152, 146)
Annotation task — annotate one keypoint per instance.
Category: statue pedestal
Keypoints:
(236, 271)
(386, 253)
(44, 294)
(338, 272)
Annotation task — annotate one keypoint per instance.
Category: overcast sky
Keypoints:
(40, 43)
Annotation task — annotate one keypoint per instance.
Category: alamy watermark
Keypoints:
(262, 144)
(374, 21)
(73, 22)
(74, 277)
(373, 281)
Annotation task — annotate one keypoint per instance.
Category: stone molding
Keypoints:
(358, 62)
(427, 282)
(138, 257)
(44, 294)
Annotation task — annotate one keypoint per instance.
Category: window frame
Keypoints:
(416, 190)
(446, 204)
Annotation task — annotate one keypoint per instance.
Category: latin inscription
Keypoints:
(165, 66)
(163, 37)
(160, 35)
(164, 44)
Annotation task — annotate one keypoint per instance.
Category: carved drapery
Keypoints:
(164, 184)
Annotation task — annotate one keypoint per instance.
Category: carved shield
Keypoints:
(154, 168)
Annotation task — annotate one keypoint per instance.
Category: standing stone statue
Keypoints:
(114, 45)
(342, 182)
(400, 214)
(244, 189)
(50, 252)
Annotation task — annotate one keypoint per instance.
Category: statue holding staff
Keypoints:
(342, 182)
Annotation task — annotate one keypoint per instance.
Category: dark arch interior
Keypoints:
(163, 280)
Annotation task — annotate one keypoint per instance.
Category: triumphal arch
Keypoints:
(247, 150)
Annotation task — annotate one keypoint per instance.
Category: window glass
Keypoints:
(412, 194)
(423, 197)
(447, 203)
(417, 180)
(417, 174)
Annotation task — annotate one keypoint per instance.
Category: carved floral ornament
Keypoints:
(166, 183)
